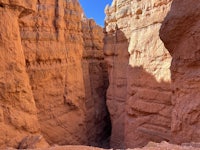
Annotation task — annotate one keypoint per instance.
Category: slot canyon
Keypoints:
(68, 83)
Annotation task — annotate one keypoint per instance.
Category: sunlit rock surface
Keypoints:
(139, 93)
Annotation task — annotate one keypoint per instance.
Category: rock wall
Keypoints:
(53, 47)
(53, 81)
(53, 77)
(116, 57)
(18, 113)
(181, 34)
(96, 83)
(148, 103)
(139, 94)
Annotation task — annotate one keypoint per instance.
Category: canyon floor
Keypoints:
(150, 146)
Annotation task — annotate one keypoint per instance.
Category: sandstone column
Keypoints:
(18, 114)
(54, 46)
(180, 33)
(117, 33)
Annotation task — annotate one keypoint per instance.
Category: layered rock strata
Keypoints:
(53, 81)
(96, 83)
(139, 94)
(180, 33)
(64, 59)
(53, 47)
(18, 113)
(116, 56)
(148, 104)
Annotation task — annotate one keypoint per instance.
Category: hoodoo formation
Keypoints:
(64, 80)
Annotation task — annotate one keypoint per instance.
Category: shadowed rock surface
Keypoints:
(139, 93)
(94, 67)
(54, 78)
(180, 33)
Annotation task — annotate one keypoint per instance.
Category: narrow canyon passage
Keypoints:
(61, 73)
(68, 75)
(64, 80)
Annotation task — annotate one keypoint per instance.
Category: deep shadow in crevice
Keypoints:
(95, 76)
(117, 57)
(1, 5)
(96, 83)
(135, 97)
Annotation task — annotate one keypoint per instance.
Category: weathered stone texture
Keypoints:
(116, 56)
(53, 47)
(149, 91)
(180, 33)
(150, 146)
(18, 113)
(46, 62)
(139, 94)
(96, 83)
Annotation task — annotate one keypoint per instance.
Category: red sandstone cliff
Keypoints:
(96, 83)
(18, 113)
(139, 94)
(148, 104)
(139, 97)
(53, 81)
(53, 76)
(180, 33)
(53, 47)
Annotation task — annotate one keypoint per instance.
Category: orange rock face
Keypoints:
(148, 104)
(53, 47)
(53, 75)
(96, 83)
(54, 78)
(180, 33)
(139, 94)
(116, 56)
(18, 113)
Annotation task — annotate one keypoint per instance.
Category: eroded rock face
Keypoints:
(53, 47)
(148, 105)
(46, 61)
(33, 142)
(139, 94)
(25, 5)
(18, 113)
(116, 55)
(66, 72)
(150, 146)
(180, 33)
(96, 83)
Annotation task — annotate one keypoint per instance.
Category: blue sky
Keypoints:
(95, 9)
